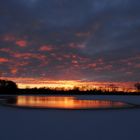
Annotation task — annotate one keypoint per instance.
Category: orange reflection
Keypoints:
(64, 103)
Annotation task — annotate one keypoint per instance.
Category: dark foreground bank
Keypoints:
(42, 91)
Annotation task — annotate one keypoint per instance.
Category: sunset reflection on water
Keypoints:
(65, 103)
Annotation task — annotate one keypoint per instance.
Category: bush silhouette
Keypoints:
(7, 85)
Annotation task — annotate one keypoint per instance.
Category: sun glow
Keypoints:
(72, 84)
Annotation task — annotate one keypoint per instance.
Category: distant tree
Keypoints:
(113, 87)
(75, 88)
(7, 85)
(137, 86)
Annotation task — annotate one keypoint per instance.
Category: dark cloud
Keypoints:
(70, 39)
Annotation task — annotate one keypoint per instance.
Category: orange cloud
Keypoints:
(14, 70)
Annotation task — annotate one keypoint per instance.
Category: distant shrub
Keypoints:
(7, 85)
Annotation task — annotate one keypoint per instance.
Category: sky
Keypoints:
(87, 40)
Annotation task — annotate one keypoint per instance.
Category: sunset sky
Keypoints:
(87, 40)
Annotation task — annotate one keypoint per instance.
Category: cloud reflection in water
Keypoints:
(64, 102)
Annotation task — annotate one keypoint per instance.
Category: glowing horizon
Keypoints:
(70, 84)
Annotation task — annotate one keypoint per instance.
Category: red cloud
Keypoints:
(74, 62)
(31, 56)
(23, 55)
(7, 50)
(129, 73)
(9, 37)
(21, 43)
(93, 65)
(137, 65)
(76, 45)
(3, 60)
(45, 48)
(82, 34)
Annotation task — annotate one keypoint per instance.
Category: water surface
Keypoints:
(51, 124)
(62, 102)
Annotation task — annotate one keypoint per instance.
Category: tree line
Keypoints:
(7, 86)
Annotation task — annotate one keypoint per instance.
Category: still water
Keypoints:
(62, 102)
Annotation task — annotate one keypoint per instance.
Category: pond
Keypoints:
(18, 119)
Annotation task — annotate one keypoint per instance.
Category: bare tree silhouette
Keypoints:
(113, 87)
(137, 86)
